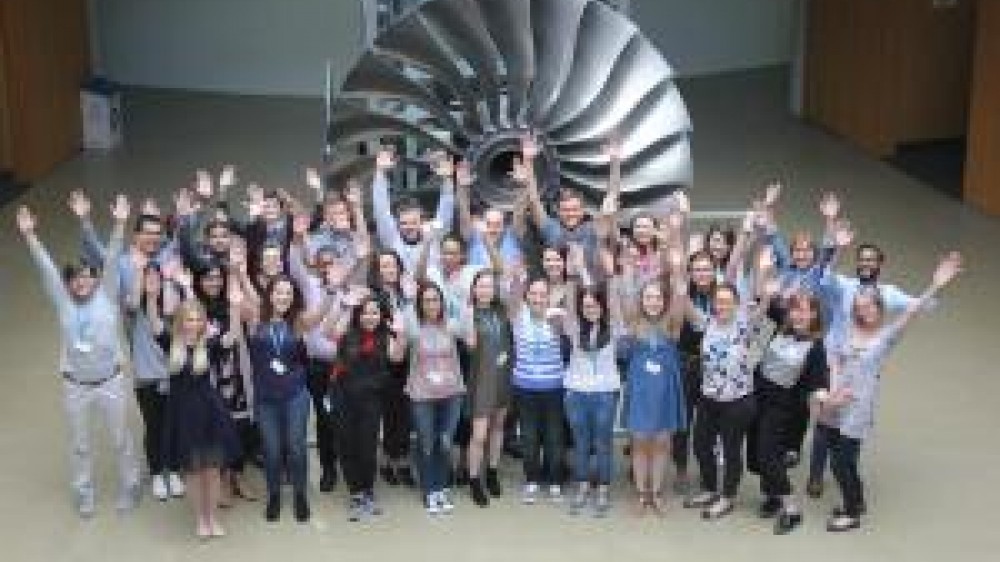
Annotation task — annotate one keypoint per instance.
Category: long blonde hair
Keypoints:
(178, 349)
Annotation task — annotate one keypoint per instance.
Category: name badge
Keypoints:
(653, 368)
(436, 377)
(501, 360)
(83, 346)
(278, 367)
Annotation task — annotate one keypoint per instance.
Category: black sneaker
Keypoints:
(301, 508)
(273, 510)
(787, 522)
(478, 494)
(405, 477)
(791, 459)
(328, 481)
(389, 475)
(493, 483)
(770, 508)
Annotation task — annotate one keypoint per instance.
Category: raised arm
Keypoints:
(743, 242)
(607, 220)
(52, 281)
(524, 171)
(385, 224)
(463, 196)
(445, 169)
(109, 278)
(948, 268)
(92, 247)
(362, 238)
(297, 268)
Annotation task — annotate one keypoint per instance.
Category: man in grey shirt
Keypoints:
(90, 357)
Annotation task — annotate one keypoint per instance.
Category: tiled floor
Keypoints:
(930, 469)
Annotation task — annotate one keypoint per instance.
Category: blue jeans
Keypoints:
(435, 422)
(283, 430)
(591, 417)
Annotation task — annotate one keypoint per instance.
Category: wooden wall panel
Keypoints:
(888, 71)
(6, 158)
(46, 58)
(982, 167)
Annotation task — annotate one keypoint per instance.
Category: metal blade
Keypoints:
(602, 35)
(509, 24)
(554, 43)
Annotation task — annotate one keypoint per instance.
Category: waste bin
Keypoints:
(101, 108)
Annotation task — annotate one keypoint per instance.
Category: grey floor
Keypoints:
(931, 468)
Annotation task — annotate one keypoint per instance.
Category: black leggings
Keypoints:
(358, 416)
(326, 422)
(767, 444)
(395, 415)
(845, 453)
(680, 440)
(730, 422)
(152, 407)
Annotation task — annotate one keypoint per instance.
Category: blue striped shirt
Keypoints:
(538, 363)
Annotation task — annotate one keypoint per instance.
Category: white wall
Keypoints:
(280, 46)
(244, 46)
(708, 36)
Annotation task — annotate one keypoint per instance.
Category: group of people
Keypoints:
(232, 328)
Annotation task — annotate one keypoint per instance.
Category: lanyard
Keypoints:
(82, 324)
(277, 331)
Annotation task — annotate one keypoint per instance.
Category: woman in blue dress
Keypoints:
(655, 404)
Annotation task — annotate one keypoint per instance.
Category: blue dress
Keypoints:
(653, 389)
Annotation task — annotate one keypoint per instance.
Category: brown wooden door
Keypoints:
(982, 167)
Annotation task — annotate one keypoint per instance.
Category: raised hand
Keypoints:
(120, 208)
(829, 205)
(254, 201)
(352, 193)
(948, 268)
(139, 261)
(843, 234)
(772, 192)
(463, 174)
(184, 278)
(150, 207)
(79, 203)
(203, 184)
(444, 167)
(675, 258)
(575, 260)
(335, 274)
(681, 201)
(750, 218)
(771, 286)
(529, 146)
(408, 287)
(518, 171)
(313, 180)
(227, 178)
(613, 148)
(385, 159)
(25, 220)
(238, 258)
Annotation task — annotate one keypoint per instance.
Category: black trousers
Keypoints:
(728, 421)
(542, 421)
(396, 415)
(358, 414)
(798, 426)
(152, 407)
(680, 446)
(326, 422)
(845, 453)
(767, 443)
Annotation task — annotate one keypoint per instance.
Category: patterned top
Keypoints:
(727, 372)
(858, 366)
(594, 370)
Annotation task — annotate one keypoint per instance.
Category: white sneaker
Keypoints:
(529, 494)
(176, 485)
(432, 503)
(444, 500)
(555, 493)
(160, 490)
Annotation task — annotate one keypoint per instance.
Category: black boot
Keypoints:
(405, 476)
(478, 493)
(301, 508)
(273, 510)
(328, 481)
(493, 483)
